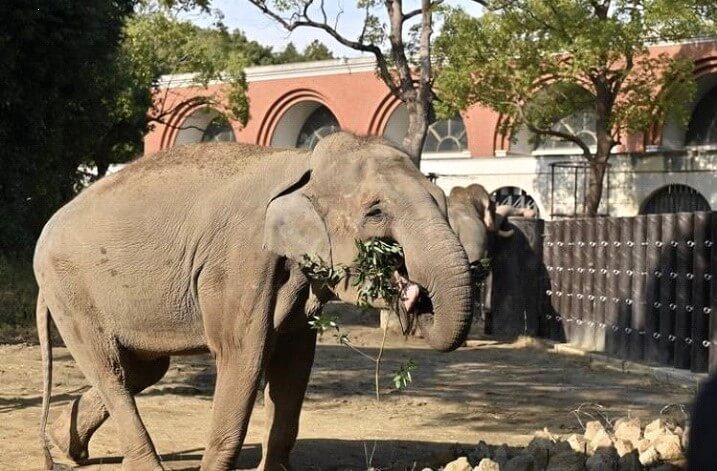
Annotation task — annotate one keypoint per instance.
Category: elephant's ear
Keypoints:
(292, 227)
(439, 197)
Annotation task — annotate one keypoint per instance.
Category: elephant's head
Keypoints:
(472, 216)
(362, 188)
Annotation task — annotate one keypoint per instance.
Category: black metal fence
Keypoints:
(640, 288)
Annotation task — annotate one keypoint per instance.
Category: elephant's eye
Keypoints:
(374, 211)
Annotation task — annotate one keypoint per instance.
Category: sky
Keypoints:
(240, 14)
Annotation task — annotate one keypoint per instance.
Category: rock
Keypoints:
(649, 456)
(668, 446)
(667, 467)
(461, 464)
(623, 447)
(630, 462)
(592, 428)
(539, 450)
(567, 461)
(643, 445)
(520, 463)
(605, 459)
(501, 455)
(654, 429)
(487, 464)
(482, 450)
(577, 443)
(628, 429)
(600, 440)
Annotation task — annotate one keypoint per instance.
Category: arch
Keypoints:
(674, 135)
(203, 124)
(514, 196)
(556, 96)
(276, 115)
(303, 124)
(444, 137)
(674, 198)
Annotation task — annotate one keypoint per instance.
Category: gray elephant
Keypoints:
(197, 249)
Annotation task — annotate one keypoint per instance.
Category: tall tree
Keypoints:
(53, 53)
(406, 67)
(538, 62)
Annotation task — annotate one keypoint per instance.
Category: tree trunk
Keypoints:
(595, 186)
(599, 161)
(418, 121)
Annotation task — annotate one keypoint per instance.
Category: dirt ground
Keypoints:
(499, 392)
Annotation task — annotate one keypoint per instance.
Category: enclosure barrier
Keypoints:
(640, 288)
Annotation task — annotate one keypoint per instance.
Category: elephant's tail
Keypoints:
(43, 334)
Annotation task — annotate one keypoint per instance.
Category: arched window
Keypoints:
(320, 123)
(218, 129)
(446, 136)
(204, 125)
(514, 196)
(675, 198)
(702, 129)
(580, 124)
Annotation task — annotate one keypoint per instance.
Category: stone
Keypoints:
(540, 451)
(668, 467)
(643, 445)
(567, 461)
(600, 440)
(521, 462)
(605, 459)
(482, 450)
(592, 428)
(628, 429)
(577, 443)
(501, 455)
(668, 446)
(630, 462)
(460, 464)
(487, 464)
(649, 456)
(654, 429)
(623, 447)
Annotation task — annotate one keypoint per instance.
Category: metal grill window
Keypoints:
(513, 196)
(218, 129)
(675, 199)
(318, 125)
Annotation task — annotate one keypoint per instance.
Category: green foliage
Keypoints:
(18, 292)
(57, 64)
(402, 376)
(559, 53)
(322, 323)
(373, 269)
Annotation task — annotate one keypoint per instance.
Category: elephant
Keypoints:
(198, 248)
(476, 221)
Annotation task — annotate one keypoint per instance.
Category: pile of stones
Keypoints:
(624, 446)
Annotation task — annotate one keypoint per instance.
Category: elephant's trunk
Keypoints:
(436, 261)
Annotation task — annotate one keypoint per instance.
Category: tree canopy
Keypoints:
(537, 62)
(80, 81)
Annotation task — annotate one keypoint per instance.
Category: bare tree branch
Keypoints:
(302, 19)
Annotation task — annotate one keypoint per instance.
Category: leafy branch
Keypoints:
(372, 273)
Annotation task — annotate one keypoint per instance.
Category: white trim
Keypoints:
(282, 71)
(446, 155)
(311, 69)
(565, 151)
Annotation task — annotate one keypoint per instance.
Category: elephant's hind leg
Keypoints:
(74, 428)
(287, 376)
(103, 361)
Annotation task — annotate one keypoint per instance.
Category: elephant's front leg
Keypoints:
(287, 376)
(234, 395)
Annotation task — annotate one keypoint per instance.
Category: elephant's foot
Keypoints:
(66, 439)
(145, 463)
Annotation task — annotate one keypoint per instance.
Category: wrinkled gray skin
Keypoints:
(196, 249)
(473, 217)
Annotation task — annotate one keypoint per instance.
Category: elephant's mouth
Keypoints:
(414, 302)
